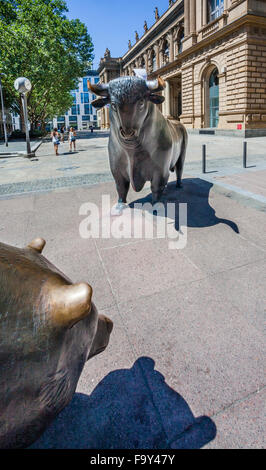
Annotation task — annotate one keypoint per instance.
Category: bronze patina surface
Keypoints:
(49, 328)
(143, 145)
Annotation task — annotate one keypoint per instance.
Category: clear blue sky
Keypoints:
(111, 23)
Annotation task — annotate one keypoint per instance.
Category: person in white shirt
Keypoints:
(56, 140)
(72, 138)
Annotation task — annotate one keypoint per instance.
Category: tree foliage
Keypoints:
(39, 42)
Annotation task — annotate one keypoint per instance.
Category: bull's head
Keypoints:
(129, 99)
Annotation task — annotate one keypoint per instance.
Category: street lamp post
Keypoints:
(23, 86)
(3, 110)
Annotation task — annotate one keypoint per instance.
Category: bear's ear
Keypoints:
(68, 304)
(156, 99)
(100, 102)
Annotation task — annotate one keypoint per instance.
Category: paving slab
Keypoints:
(241, 426)
(200, 342)
(184, 367)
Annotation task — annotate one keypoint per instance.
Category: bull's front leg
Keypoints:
(157, 186)
(122, 187)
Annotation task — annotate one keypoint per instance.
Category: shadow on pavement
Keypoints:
(195, 192)
(129, 409)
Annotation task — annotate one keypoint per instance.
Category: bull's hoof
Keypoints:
(179, 185)
(118, 208)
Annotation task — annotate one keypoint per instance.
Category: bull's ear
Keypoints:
(100, 103)
(68, 304)
(156, 99)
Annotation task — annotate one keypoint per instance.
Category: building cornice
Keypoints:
(248, 19)
(170, 16)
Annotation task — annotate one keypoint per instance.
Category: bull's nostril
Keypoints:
(127, 132)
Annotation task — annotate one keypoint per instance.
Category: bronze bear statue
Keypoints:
(49, 328)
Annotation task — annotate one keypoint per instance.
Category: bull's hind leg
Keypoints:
(179, 172)
(181, 161)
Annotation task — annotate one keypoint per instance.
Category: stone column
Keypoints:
(187, 17)
(107, 121)
(146, 62)
(167, 95)
(156, 49)
(171, 46)
(192, 16)
(103, 118)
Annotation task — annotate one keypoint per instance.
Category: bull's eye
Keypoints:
(114, 107)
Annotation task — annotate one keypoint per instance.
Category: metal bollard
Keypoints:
(245, 145)
(204, 158)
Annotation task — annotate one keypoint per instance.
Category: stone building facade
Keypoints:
(212, 56)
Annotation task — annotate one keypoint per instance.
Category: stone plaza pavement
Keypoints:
(185, 363)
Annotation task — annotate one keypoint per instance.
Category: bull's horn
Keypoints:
(156, 85)
(69, 304)
(100, 89)
(37, 244)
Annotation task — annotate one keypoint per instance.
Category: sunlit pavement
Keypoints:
(185, 363)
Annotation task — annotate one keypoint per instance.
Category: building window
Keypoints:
(73, 119)
(85, 118)
(87, 109)
(74, 97)
(216, 9)
(84, 98)
(85, 85)
(96, 80)
(214, 98)
(180, 41)
(154, 62)
(75, 110)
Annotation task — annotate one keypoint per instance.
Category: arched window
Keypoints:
(166, 53)
(214, 98)
(142, 63)
(154, 62)
(180, 40)
(215, 9)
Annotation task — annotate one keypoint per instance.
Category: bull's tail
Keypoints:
(181, 159)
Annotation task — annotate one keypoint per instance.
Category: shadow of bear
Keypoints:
(129, 409)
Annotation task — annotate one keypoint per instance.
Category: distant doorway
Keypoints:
(214, 99)
(175, 97)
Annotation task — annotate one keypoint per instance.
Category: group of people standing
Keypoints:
(58, 137)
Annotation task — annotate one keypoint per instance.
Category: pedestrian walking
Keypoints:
(62, 134)
(91, 128)
(56, 140)
(72, 138)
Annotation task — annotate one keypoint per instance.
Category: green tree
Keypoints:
(39, 42)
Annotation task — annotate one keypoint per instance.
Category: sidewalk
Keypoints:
(15, 148)
(90, 165)
(185, 364)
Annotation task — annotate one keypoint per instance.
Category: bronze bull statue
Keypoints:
(143, 145)
(49, 328)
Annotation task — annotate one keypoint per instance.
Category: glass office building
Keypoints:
(81, 115)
